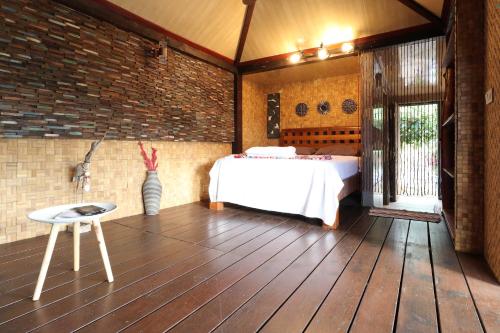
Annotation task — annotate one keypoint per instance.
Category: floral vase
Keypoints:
(151, 193)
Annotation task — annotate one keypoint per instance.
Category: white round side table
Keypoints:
(49, 215)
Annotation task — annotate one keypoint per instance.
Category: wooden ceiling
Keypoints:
(283, 26)
(307, 72)
(213, 24)
(277, 26)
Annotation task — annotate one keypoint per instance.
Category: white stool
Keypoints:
(47, 215)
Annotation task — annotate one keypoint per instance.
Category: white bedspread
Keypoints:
(305, 187)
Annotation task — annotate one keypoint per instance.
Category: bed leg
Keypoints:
(335, 224)
(217, 206)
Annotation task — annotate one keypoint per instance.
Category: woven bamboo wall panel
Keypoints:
(333, 89)
(36, 173)
(255, 116)
(492, 139)
(65, 74)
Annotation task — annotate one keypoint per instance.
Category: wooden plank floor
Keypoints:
(190, 269)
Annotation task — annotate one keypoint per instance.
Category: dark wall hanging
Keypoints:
(349, 106)
(273, 116)
(301, 109)
(323, 107)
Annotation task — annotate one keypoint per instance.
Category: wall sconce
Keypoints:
(159, 52)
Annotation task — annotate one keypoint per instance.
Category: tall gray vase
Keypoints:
(151, 193)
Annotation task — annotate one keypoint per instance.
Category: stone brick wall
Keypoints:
(65, 74)
(469, 109)
(492, 138)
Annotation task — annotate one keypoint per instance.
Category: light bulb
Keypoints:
(323, 53)
(347, 47)
(295, 57)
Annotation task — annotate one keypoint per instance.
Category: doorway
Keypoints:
(417, 156)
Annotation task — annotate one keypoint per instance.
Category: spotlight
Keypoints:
(323, 52)
(295, 57)
(347, 47)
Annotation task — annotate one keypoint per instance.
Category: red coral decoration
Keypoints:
(151, 163)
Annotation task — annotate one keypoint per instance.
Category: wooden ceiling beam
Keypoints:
(250, 6)
(364, 43)
(128, 21)
(424, 12)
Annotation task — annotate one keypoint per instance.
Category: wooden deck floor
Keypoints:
(194, 270)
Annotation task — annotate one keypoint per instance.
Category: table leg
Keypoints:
(76, 246)
(46, 261)
(102, 247)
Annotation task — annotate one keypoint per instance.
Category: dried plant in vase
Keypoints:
(151, 189)
(82, 170)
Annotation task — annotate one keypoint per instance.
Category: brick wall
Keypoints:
(492, 138)
(66, 74)
(469, 108)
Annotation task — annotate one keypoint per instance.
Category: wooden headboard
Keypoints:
(320, 136)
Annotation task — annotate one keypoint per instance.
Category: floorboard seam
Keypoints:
(370, 275)
(429, 247)
(395, 321)
(294, 260)
(478, 313)
(311, 272)
(181, 277)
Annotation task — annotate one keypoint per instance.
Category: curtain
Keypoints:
(402, 91)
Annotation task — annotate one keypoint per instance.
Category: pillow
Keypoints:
(340, 149)
(271, 151)
(305, 150)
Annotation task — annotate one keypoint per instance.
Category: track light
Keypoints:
(347, 47)
(295, 57)
(323, 52)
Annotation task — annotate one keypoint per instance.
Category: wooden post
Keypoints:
(102, 247)
(335, 224)
(217, 205)
(76, 246)
(46, 261)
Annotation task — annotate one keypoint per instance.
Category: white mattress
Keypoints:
(305, 187)
(346, 166)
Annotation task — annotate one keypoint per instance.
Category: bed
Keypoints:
(308, 185)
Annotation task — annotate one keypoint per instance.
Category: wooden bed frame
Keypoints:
(318, 137)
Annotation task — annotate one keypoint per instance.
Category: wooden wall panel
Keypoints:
(469, 115)
(492, 138)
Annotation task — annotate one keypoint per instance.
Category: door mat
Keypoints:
(405, 214)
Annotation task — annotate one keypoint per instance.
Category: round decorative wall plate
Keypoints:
(349, 106)
(301, 109)
(323, 107)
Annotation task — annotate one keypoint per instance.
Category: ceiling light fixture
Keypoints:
(295, 57)
(347, 47)
(323, 52)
